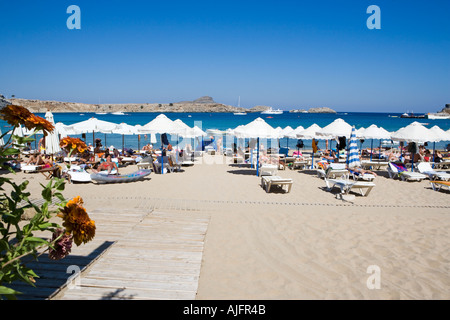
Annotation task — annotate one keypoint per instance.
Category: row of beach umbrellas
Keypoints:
(257, 129)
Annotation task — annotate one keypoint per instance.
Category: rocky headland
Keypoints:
(314, 110)
(202, 104)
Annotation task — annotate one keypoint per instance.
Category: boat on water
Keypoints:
(118, 113)
(101, 113)
(412, 115)
(239, 105)
(438, 116)
(272, 111)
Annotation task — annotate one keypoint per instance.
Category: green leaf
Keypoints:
(10, 152)
(47, 194)
(36, 239)
(8, 292)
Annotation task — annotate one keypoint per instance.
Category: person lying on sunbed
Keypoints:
(45, 161)
(360, 170)
(106, 165)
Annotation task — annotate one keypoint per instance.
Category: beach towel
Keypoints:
(400, 167)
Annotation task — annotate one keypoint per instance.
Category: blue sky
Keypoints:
(288, 54)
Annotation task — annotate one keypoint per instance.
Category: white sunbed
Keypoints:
(438, 185)
(425, 168)
(346, 185)
(376, 165)
(267, 169)
(268, 181)
(404, 174)
(335, 170)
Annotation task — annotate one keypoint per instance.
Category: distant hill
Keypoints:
(203, 104)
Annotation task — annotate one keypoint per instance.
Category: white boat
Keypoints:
(101, 113)
(438, 116)
(272, 111)
(239, 105)
(118, 113)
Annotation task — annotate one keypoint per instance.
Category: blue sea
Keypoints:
(223, 121)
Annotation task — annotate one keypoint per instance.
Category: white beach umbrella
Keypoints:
(125, 129)
(338, 128)
(94, 125)
(51, 139)
(442, 135)
(288, 132)
(415, 132)
(310, 133)
(161, 124)
(374, 132)
(258, 128)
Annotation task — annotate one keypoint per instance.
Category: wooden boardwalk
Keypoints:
(134, 255)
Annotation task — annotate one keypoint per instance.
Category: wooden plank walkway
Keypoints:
(157, 258)
(136, 254)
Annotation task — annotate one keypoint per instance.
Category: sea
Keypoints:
(223, 121)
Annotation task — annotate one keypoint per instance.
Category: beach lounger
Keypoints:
(145, 163)
(332, 170)
(438, 185)
(346, 186)
(442, 165)
(268, 169)
(398, 170)
(268, 181)
(425, 168)
(49, 172)
(361, 176)
(375, 165)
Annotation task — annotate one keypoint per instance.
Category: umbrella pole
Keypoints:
(371, 150)
(257, 158)
(434, 145)
(123, 143)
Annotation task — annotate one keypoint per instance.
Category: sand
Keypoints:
(306, 244)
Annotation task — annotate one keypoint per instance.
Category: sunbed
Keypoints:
(268, 181)
(438, 185)
(145, 163)
(332, 170)
(356, 175)
(346, 185)
(376, 165)
(425, 168)
(267, 169)
(398, 170)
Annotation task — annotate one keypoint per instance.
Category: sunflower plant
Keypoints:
(18, 242)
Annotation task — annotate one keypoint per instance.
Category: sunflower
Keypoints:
(73, 144)
(18, 115)
(38, 123)
(77, 221)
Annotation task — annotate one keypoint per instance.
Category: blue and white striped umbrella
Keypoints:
(353, 153)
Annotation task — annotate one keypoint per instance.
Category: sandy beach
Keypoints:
(306, 244)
